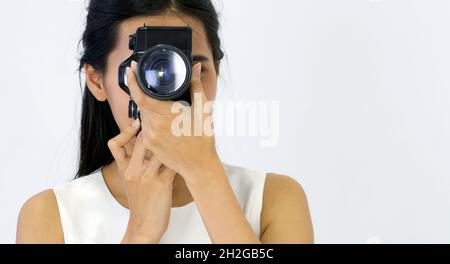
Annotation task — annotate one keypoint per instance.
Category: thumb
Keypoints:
(196, 83)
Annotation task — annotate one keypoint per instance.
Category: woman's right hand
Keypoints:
(149, 188)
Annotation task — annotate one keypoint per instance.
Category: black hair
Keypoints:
(99, 38)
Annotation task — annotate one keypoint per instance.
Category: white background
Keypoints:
(364, 97)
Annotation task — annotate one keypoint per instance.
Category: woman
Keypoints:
(151, 186)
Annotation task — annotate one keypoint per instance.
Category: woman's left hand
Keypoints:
(189, 155)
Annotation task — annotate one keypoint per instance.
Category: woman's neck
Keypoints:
(180, 194)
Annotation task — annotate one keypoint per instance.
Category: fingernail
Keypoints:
(136, 123)
(198, 69)
(133, 64)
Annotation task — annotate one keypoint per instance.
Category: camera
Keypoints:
(164, 64)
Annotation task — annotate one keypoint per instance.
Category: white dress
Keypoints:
(90, 214)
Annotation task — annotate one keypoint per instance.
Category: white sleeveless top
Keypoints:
(90, 214)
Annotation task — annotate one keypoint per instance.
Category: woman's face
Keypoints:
(116, 97)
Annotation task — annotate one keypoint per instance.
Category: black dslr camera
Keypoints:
(164, 64)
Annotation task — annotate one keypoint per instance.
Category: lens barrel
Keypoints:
(164, 72)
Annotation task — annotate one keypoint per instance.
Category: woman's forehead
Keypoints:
(129, 27)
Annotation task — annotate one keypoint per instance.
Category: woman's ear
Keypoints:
(94, 83)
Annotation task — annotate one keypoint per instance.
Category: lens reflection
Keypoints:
(165, 72)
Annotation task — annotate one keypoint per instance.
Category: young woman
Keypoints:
(151, 186)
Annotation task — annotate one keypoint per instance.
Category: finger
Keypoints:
(117, 144)
(135, 92)
(153, 167)
(130, 145)
(167, 174)
(196, 83)
(137, 158)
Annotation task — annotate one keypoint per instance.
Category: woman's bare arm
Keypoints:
(39, 220)
(285, 216)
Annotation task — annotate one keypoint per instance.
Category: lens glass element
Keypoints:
(165, 72)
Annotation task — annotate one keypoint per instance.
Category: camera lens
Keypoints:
(164, 71)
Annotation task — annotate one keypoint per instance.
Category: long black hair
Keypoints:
(99, 38)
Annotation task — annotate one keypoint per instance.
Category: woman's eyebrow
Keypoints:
(200, 58)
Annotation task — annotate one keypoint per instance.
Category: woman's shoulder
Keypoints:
(39, 221)
(275, 187)
(247, 183)
(39, 218)
(244, 175)
(285, 201)
(284, 214)
(274, 184)
(280, 187)
(84, 185)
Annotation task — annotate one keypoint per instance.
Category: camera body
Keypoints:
(164, 64)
